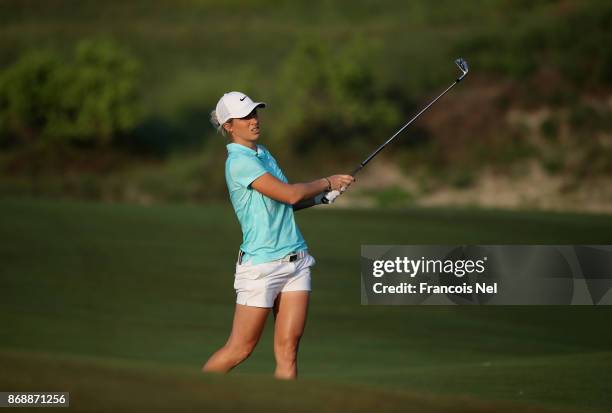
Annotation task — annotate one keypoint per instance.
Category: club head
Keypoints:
(463, 66)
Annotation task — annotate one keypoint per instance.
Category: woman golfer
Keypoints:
(273, 267)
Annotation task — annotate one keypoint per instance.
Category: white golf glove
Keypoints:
(330, 197)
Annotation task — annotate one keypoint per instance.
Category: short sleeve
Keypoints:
(244, 170)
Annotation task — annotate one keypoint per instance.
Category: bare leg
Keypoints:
(246, 330)
(290, 309)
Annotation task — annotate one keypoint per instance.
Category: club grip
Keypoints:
(356, 170)
(330, 197)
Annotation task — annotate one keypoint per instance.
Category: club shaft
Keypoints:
(381, 147)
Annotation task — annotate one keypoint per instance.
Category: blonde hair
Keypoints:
(217, 125)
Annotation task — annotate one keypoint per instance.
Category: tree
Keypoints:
(335, 99)
(27, 93)
(91, 98)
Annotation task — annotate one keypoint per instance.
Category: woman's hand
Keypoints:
(334, 186)
(340, 182)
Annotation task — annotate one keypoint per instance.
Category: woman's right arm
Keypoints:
(291, 194)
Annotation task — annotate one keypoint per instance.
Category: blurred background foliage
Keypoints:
(90, 97)
(111, 100)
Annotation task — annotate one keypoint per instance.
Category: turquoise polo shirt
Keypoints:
(268, 226)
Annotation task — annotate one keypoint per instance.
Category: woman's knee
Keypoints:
(286, 348)
(240, 351)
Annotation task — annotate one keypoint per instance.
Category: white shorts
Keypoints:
(258, 285)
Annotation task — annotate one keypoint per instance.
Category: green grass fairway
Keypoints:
(121, 304)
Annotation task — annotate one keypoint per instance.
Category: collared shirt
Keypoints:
(268, 226)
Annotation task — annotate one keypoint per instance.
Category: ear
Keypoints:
(227, 126)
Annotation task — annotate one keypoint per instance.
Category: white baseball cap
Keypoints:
(235, 105)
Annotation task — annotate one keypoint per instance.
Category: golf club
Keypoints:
(463, 67)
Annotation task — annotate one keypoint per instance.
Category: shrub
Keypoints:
(333, 99)
(553, 161)
(100, 99)
(544, 36)
(28, 93)
(91, 98)
(550, 128)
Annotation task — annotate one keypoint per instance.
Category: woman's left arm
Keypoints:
(309, 193)
(307, 203)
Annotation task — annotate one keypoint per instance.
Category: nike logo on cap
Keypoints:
(243, 98)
